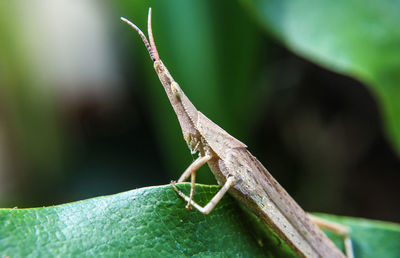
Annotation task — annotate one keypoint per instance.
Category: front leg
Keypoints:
(211, 204)
(191, 171)
(198, 163)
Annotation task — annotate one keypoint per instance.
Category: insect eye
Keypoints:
(158, 67)
(176, 90)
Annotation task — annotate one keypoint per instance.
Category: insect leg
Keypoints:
(211, 204)
(192, 188)
(191, 171)
(200, 161)
(337, 229)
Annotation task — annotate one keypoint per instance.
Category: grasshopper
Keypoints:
(240, 173)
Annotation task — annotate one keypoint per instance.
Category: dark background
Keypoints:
(82, 113)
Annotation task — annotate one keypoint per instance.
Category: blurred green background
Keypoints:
(312, 87)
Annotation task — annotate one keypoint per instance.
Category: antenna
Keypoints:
(151, 47)
(151, 38)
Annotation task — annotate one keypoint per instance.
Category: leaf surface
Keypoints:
(152, 221)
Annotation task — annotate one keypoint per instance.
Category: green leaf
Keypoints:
(152, 221)
(146, 222)
(356, 38)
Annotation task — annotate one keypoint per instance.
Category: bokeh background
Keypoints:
(312, 88)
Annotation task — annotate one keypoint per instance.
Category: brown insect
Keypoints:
(241, 174)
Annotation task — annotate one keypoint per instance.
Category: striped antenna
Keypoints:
(151, 47)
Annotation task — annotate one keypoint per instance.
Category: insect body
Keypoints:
(239, 172)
